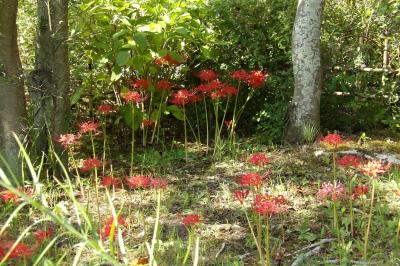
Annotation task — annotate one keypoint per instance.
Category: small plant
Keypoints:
(309, 132)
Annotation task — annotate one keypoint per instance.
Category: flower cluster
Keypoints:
(251, 180)
(332, 139)
(259, 159)
(141, 84)
(241, 195)
(142, 181)
(192, 219)
(105, 109)
(254, 79)
(89, 164)
(132, 97)
(67, 140)
(266, 205)
(374, 168)
(108, 181)
(359, 191)
(349, 160)
(89, 127)
(331, 191)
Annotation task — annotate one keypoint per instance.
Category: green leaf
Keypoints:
(77, 95)
(122, 57)
(140, 39)
(175, 111)
(116, 73)
(119, 34)
(126, 112)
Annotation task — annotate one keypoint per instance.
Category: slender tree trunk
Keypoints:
(12, 99)
(49, 82)
(305, 106)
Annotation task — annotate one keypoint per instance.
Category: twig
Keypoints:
(220, 250)
(319, 243)
(299, 260)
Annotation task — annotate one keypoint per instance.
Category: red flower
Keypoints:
(359, 190)
(90, 164)
(89, 126)
(148, 123)
(159, 183)
(195, 98)
(138, 181)
(67, 140)
(349, 160)
(108, 181)
(42, 235)
(240, 75)
(332, 139)
(166, 59)
(141, 84)
(228, 123)
(374, 168)
(230, 91)
(258, 159)
(110, 221)
(164, 85)
(265, 205)
(182, 97)
(252, 179)
(215, 84)
(132, 97)
(217, 94)
(256, 79)
(331, 191)
(207, 75)
(191, 219)
(204, 88)
(20, 250)
(241, 195)
(105, 109)
(8, 196)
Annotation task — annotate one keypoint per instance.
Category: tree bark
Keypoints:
(305, 105)
(12, 98)
(49, 82)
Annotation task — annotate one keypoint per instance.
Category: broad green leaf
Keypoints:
(119, 34)
(126, 112)
(175, 111)
(116, 73)
(77, 95)
(140, 39)
(122, 57)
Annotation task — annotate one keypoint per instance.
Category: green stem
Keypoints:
(253, 234)
(96, 179)
(198, 124)
(267, 250)
(154, 240)
(259, 235)
(185, 130)
(133, 139)
(206, 113)
(365, 253)
(78, 179)
(189, 247)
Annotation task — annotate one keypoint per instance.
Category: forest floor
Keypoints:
(204, 186)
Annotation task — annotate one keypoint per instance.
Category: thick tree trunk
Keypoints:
(305, 106)
(49, 82)
(12, 98)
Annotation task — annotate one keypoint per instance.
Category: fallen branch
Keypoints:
(319, 243)
(299, 260)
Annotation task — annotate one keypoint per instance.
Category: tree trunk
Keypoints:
(305, 105)
(12, 98)
(49, 82)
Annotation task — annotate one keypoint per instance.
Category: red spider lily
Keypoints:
(265, 205)
(359, 190)
(164, 85)
(20, 250)
(240, 75)
(228, 123)
(141, 84)
(107, 227)
(375, 168)
(181, 97)
(230, 91)
(256, 79)
(192, 219)
(207, 75)
(90, 164)
(217, 94)
(159, 183)
(215, 84)
(89, 126)
(138, 181)
(166, 59)
(8, 196)
(259, 159)
(105, 109)
(241, 195)
(195, 98)
(67, 140)
(108, 181)
(252, 179)
(331, 191)
(42, 235)
(148, 123)
(204, 88)
(349, 160)
(132, 97)
(332, 139)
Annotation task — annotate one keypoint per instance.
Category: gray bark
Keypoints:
(305, 105)
(12, 99)
(49, 82)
